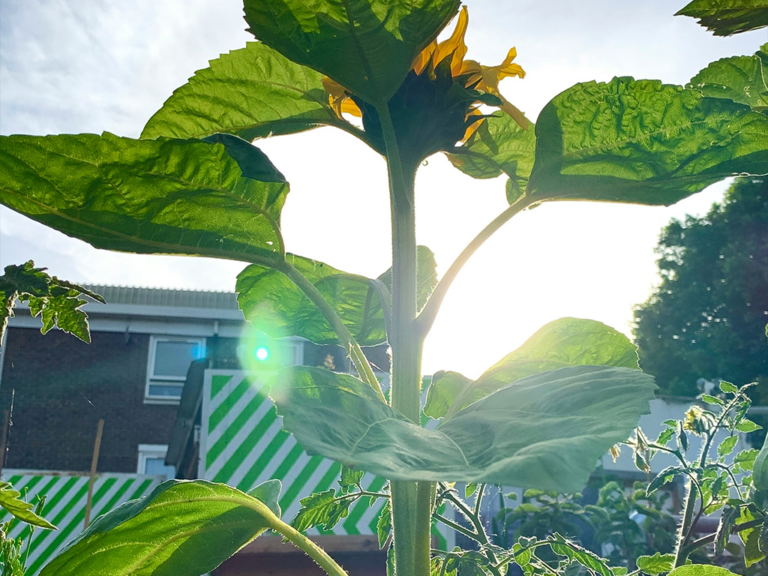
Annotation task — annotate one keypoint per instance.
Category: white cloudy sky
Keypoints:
(69, 66)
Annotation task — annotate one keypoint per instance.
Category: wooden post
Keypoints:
(4, 438)
(94, 463)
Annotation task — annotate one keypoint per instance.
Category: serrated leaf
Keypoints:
(709, 399)
(747, 426)
(728, 17)
(642, 142)
(728, 388)
(727, 446)
(656, 564)
(664, 477)
(11, 501)
(470, 489)
(746, 459)
(321, 509)
(350, 478)
(742, 79)
(499, 146)
(182, 528)
(149, 196)
(547, 430)
(367, 46)
(586, 558)
(665, 437)
(252, 92)
(384, 524)
(561, 343)
(724, 527)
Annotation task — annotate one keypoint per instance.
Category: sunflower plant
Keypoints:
(196, 184)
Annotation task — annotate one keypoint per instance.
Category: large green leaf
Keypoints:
(742, 79)
(179, 529)
(642, 142)
(277, 307)
(499, 146)
(367, 46)
(727, 17)
(148, 196)
(564, 342)
(251, 92)
(546, 431)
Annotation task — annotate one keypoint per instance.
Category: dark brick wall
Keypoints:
(63, 386)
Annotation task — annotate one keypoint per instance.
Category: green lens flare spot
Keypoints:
(261, 353)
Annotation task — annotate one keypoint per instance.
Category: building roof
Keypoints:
(165, 297)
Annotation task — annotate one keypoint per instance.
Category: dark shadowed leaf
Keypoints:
(642, 142)
(561, 343)
(727, 17)
(150, 196)
(277, 307)
(251, 92)
(499, 146)
(742, 79)
(546, 431)
(11, 501)
(180, 529)
(664, 477)
(367, 46)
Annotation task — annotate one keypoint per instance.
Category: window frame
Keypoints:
(147, 451)
(175, 381)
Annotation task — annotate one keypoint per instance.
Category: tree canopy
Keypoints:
(707, 318)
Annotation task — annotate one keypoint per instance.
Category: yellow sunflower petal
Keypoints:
(348, 106)
(454, 45)
(514, 112)
(333, 88)
(472, 128)
(421, 61)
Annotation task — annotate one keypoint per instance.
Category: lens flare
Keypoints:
(262, 353)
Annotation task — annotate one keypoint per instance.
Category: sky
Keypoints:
(73, 66)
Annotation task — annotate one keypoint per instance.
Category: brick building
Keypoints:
(143, 375)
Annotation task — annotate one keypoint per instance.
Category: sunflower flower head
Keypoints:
(439, 102)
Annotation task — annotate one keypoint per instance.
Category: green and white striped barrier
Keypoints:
(66, 495)
(243, 444)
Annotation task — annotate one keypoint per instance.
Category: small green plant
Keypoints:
(13, 551)
(195, 184)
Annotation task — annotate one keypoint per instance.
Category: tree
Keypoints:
(707, 319)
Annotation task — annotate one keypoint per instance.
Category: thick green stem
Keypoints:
(410, 500)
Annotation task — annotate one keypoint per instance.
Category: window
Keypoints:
(152, 461)
(169, 360)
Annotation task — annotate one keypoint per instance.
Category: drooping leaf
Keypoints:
(561, 343)
(11, 501)
(727, 17)
(499, 146)
(724, 527)
(664, 477)
(252, 92)
(58, 302)
(575, 553)
(750, 537)
(367, 46)
(742, 79)
(321, 509)
(700, 570)
(277, 307)
(545, 431)
(656, 564)
(642, 142)
(182, 528)
(149, 196)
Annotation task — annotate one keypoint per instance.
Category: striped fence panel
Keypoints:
(66, 496)
(243, 444)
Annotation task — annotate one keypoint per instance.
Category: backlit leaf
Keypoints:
(561, 343)
(664, 477)
(700, 570)
(656, 564)
(545, 431)
(384, 525)
(11, 501)
(727, 446)
(367, 46)
(252, 92)
(727, 17)
(277, 307)
(181, 528)
(742, 79)
(321, 509)
(499, 146)
(642, 142)
(148, 196)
